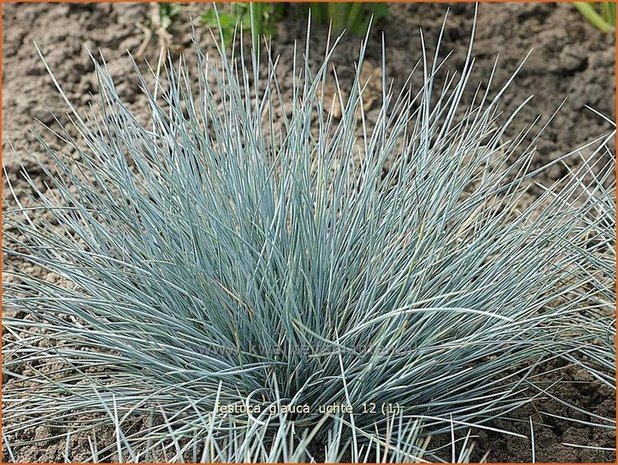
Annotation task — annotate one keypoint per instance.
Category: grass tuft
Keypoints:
(232, 255)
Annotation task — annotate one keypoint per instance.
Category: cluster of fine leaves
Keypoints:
(233, 254)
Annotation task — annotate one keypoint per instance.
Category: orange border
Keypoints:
(274, 1)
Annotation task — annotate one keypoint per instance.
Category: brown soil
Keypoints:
(570, 59)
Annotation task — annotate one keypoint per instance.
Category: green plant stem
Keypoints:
(588, 12)
(353, 13)
(337, 12)
(608, 11)
(317, 12)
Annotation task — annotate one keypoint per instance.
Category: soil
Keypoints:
(570, 60)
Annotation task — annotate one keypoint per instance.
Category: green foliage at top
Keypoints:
(167, 13)
(602, 15)
(259, 18)
(354, 17)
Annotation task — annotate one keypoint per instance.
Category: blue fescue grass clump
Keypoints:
(598, 260)
(232, 256)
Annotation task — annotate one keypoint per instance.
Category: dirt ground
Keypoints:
(570, 60)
